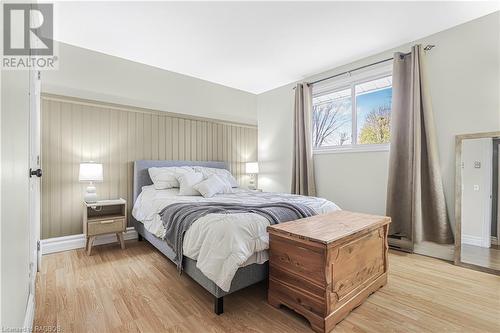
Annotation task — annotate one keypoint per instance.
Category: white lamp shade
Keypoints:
(90, 172)
(252, 167)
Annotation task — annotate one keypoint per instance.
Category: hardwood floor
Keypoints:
(139, 290)
(481, 256)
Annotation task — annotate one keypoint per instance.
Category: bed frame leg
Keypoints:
(219, 305)
(139, 237)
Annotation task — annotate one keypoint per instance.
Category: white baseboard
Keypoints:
(65, 243)
(29, 316)
(472, 240)
(494, 240)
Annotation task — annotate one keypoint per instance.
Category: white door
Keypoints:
(35, 177)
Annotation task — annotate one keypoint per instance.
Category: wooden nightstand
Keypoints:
(104, 217)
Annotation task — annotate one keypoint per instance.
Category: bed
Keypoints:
(201, 254)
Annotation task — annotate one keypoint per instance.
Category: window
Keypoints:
(354, 115)
(332, 119)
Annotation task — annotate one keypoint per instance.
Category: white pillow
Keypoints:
(187, 181)
(223, 173)
(166, 177)
(213, 185)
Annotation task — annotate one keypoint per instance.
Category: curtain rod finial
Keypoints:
(429, 47)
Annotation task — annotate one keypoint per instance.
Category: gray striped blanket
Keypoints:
(178, 217)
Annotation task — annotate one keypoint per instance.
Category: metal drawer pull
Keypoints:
(107, 221)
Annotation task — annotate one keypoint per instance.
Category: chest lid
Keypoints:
(331, 227)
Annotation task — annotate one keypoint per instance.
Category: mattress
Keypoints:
(221, 243)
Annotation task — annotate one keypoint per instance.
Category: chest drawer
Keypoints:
(106, 226)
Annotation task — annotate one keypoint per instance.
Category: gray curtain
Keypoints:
(415, 196)
(302, 168)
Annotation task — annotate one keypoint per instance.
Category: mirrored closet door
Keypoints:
(477, 201)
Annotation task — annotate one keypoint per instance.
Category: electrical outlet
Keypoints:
(477, 164)
(476, 188)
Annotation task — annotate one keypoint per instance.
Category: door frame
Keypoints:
(35, 182)
(495, 216)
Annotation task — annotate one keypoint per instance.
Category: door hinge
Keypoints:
(38, 245)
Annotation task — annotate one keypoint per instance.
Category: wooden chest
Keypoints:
(324, 266)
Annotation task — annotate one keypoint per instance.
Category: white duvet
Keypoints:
(220, 243)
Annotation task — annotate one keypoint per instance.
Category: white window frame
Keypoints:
(345, 82)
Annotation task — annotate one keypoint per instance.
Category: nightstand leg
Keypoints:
(91, 242)
(87, 244)
(120, 240)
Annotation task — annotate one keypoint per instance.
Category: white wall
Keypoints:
(476, 203)
(92, 75)
(14, 197)
(355, 181)
(275, 114)
(464, 71)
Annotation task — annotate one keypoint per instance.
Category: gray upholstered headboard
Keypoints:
(141, 174)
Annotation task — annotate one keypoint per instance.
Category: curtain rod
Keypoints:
(426, 48)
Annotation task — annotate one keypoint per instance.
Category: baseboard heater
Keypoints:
(399, 243)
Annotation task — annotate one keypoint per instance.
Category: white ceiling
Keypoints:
(254, 46)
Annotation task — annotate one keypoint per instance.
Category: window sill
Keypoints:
(351, 149)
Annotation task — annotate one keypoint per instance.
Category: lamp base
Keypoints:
(90, 194)
(252, 183)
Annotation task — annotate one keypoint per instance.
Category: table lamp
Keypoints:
(252, 168)
(90, 172)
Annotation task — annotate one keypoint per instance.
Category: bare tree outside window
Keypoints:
(328, 120)
(344, 137)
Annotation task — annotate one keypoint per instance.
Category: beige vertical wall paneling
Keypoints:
(76, 130)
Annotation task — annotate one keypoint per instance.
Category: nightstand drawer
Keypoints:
(106, 226)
